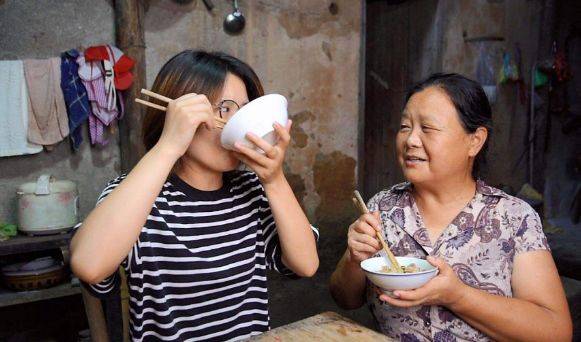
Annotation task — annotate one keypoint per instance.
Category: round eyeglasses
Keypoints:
(227, 108)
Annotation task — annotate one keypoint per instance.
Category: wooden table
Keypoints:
(327, 326)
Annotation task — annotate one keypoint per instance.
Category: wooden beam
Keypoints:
(95, 317)
(129, 16)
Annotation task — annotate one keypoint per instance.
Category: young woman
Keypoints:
(194, 236)
(497, 279)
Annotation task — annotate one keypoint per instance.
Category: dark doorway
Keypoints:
(402, 45)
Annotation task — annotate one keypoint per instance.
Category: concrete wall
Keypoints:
(415, 38)
(307, 51)
(31, 30)
(518, 23)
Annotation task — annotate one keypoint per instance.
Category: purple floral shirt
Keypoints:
(480, 245)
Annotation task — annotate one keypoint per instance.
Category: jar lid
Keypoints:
(46, 184)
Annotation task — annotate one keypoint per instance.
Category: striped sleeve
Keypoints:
(273, 251)
(110, 285)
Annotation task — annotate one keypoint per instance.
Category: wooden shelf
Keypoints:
(24, 243)
(8, 297)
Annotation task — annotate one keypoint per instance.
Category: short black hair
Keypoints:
(470, 102)
(195, 71)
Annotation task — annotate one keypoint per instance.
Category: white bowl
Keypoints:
(389, 282)
(256, 117)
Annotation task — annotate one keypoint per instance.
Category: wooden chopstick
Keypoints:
(360, 204)
(219, 121)
(156, 95)
(152, 105)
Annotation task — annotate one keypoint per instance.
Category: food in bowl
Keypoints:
(417, 273)
(411, 268)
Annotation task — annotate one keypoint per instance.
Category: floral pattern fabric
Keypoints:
(480, 245)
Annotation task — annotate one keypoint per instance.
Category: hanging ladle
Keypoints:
(234, 22)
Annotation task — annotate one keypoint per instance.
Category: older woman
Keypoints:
(497, 279)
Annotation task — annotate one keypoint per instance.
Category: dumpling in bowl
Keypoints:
(411, 268)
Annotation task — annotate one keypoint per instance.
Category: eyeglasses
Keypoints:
(227, 108)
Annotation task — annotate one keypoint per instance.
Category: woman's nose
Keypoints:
(413, 139)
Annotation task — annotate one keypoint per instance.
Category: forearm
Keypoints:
(299, 250)
(108, 233)
(347, 284)
(508, 319)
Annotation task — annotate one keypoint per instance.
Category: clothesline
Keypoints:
(43, 101)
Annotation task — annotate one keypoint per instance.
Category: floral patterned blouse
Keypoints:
(480, 245)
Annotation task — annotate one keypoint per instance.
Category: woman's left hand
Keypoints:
(445, 289)
(267, 166)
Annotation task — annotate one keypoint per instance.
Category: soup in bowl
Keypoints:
(417, 272)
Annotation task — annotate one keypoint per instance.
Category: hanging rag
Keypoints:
(97, 95)
(48, 123)
(75, 95)
(14, 111)
(92, 76)
(122, 64)
(104, 70)
(110, 91)
(509, 70)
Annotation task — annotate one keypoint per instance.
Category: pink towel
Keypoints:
(102, 96)
(48, 123)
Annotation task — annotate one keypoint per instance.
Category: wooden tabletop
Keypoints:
(327, 326)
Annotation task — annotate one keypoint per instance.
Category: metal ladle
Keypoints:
(234, 22)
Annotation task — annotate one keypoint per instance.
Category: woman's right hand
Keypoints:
(182, 118)
(361, 238)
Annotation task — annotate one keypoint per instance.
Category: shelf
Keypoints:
(8, 297)
(483, 39)
(25, 243)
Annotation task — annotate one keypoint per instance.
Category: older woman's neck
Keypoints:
(198, 176)
(453, 190)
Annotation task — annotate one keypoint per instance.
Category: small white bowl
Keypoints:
(256, 117)
(389, 282)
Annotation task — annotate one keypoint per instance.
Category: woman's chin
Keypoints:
(230, 165)
(415, 176)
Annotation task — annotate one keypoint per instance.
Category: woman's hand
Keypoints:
(267, 166)
(183, 117)
(361, 238)
(445, 289)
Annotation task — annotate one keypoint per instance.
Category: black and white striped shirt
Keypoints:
(198, 268)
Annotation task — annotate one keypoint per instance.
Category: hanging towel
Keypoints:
(110, 85)
(75, 95)
(14, 111)
(96, 93)
(94, 78)
(122, 63)
(48, 122)
(100, 115)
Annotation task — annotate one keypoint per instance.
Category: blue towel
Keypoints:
(75, 96)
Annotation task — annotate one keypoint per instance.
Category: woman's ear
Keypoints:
(477, 140)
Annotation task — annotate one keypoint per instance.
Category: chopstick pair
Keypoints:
(218, 121)
(360, 205)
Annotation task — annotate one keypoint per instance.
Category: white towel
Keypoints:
(14, 111)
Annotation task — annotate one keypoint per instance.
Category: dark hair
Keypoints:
(199, 72)
(470, 102)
